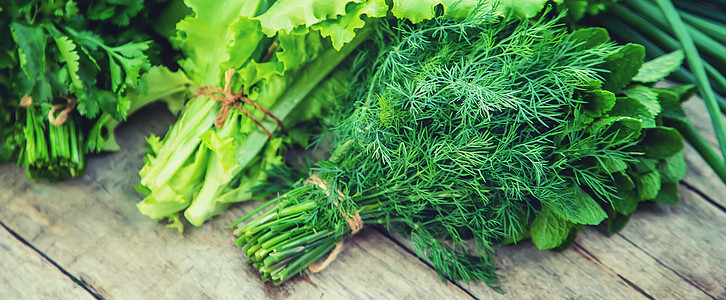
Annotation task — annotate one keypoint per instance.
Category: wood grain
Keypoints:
(699, 174)
(90, 226)
(668, 251)
(689, 239)
(530, 273)
(27, 275)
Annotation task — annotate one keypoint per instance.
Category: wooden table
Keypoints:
(84, 238)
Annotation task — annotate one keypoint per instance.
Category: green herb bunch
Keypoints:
(468, 134)
(86, 59)
(693, 30)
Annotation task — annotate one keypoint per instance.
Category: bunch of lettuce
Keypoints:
(201, 169)
(467, 134)
(68, 78)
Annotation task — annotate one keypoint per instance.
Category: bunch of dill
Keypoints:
(463, 133)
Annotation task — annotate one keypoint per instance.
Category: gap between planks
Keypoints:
(686, 184)
(79, 282)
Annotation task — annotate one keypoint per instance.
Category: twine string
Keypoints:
(355, 222)
(229, 100)
(65, 109)
(26, 101)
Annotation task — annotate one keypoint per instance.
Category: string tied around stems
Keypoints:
(230, 100)
(355, 222)
(65, 108)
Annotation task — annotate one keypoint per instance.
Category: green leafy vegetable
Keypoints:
(200, 169)
(471, 133)
(68, 78)
(657, 69)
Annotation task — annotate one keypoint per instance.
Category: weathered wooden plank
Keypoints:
(91, 227)
(27, 275)
(689, 239)
(700, 175)
(530, 273)
(684, 268)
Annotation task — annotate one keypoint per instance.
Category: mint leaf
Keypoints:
(648, 185)
(660, 67)
(616, 221)
(612, 165)
(684, 91)
(623, 181)
(661, 142)
(623, 66)
(581, 209)
(671, 106)
(633, 108)
(673, 168)
(627, 201)
(668, 194)
(597, 103)
(590, 37)
(548, 230)
(646, 96)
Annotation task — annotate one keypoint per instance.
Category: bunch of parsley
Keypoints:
(87, 59)
(469, 134)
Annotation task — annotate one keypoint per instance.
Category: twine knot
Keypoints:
(229, 99)
(63, 115)
(355, 222)
(65, 108)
